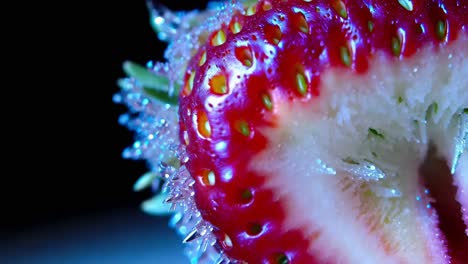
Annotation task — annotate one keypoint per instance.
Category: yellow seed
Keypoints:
(441, 29)
(345, 56)
(273, 34)
(251, 10)
(191, 78)
(266, 99)
(202, 59)
(267, 6)
(340, 8)
(211, 178)
(186, 138)
(244, 55)
(396, 46)
(218, 84)
(207, 128)
(301, 84)
(203, 124)
(208, 178)
(370, 26)
(302, 23)
(219, 38)
(189, 84)
(236, 27)
(243, 128)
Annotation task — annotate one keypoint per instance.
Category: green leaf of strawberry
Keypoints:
(328, 132)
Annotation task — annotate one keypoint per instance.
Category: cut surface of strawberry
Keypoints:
(313, 121)
(368, 149)
(327, 132)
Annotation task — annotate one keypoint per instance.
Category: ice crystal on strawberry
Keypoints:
(302, 131)
(155, 124)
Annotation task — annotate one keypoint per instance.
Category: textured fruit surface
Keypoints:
(277, 102)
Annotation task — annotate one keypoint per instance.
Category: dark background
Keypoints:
(71, 200)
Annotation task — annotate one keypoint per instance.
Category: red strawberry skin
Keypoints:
(283, 41)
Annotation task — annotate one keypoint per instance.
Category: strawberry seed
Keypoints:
(202, 59)
(218, 38)
(273, 34)
(441, 30)
(340, 8)
(254, 229)
(218, 84)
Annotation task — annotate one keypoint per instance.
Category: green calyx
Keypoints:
(162, 96)
(157, 205)
(154, 85)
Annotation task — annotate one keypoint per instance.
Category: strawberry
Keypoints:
(326, 132)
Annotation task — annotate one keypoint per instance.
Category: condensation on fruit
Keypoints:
(156, 125)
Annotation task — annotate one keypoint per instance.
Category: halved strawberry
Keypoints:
(328, 132)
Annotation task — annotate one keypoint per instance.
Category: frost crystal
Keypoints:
(185, 32)
(461, 140)
(362, 169)
(156, 124)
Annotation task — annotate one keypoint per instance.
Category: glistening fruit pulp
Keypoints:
(308, 130)
(380, 202)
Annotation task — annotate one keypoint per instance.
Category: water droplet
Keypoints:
(227, 174)
(117, 98)
(324, 168)
(123, 119)
(156, 125)
(386, 192)
(227, 242)
(220, 146)
(150, 64)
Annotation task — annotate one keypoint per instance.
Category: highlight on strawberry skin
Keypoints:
(307, 131)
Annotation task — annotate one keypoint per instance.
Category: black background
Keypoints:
(72, 169)
(79, 168)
